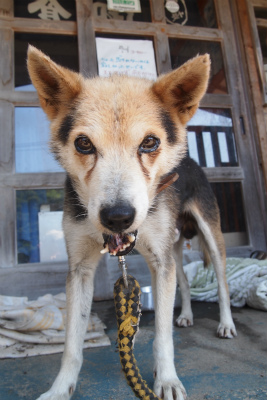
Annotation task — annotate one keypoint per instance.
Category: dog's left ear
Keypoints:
(182, 89)
(56, 86)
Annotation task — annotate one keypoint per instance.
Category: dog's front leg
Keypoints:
(79, 291)
(167, 385)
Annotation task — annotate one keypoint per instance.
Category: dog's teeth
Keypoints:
(131, 238)
(105, 250)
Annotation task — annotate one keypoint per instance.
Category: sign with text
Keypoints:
(124, 5)
(126, 56)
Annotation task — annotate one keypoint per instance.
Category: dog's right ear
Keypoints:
(56, 86)
(181, 90)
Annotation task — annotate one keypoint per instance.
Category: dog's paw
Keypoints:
(184, 320)
(53, 396)
(170, 389)
(56, 395)
(226, 331)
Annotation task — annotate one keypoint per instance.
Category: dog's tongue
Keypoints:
(119, 243)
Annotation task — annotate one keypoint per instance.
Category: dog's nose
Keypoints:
(118, 217)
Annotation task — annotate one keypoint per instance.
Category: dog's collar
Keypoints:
(167, 181)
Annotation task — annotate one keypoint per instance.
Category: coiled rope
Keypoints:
(127, 306)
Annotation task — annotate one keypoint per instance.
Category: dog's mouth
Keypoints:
(119, 244)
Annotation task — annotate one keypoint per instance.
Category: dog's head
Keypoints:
(117, 137)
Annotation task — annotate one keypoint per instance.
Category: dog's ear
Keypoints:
(56, 86)
(182, 89)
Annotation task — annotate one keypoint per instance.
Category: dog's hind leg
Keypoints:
(167, 385)
(212, 238)
(185, 319)
(79, 291)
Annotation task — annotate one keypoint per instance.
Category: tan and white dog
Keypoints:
(118, 138)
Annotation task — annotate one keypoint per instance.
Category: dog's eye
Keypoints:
(149, 144)
(84, 145)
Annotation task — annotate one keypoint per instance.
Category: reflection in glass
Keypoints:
(39, 230)
(261, 12)
(62, 49)
(263, 42)
(210, 138)
(100, 10)
(32, 152)
(191, 12)
(208, 149)
(224, 153)
(54, 10)
(182, 50)
(230, 201)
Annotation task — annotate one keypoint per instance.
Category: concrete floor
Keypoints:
(210, 368)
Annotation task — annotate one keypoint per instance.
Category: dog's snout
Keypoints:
(117, 218)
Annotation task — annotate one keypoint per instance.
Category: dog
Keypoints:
(118, 139)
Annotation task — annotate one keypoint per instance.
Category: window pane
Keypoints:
(211, 141)
(261, 12)
(100, 10)
(48, 10)
(263, 42)
(32, 152)
(191, 12)
(62, 49)
(39, 226)
(230, 201)
(182, 50)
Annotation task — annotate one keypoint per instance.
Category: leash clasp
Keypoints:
(123, 267)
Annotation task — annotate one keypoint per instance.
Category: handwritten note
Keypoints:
(126, 56)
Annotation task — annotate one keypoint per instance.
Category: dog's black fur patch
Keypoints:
(193, 185)
(169, 127)
(65, 127)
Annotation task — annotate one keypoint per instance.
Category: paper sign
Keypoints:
(124, 5)
(126, 56)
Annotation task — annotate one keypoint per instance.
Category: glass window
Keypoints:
(211, 140)
(46, 9)
(230, 201)
(32, 133)
(39, 226)
(263, 42)
(261, 12)
(100, 10)
(191, 12)
(62, 49)
(182, 50)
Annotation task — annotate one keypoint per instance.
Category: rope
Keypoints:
(127, 306)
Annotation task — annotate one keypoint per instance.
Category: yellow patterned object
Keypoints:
(127, 305)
